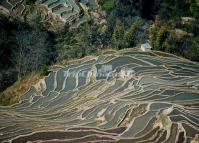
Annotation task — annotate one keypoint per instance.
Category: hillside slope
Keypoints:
(124, 96)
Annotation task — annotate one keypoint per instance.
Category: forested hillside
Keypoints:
(33, 43)
(171, 26)
(23, 49)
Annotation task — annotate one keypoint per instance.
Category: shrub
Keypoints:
(44, 70)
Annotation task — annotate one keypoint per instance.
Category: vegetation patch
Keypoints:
(164, 121)
(11, 94)
(107, 5)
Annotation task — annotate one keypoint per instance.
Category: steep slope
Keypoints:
(124, 96)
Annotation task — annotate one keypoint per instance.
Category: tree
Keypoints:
(131, 34)
(107, 5)
(158, 34)
(153, 31)
(192, 52)
(177, 44)
(118, 35)
(161, 37)
(32, 51)
(77, 43)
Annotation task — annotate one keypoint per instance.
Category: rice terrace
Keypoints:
(125, 96)
(70, 12)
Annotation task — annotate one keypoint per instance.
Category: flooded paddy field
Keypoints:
(119, 97)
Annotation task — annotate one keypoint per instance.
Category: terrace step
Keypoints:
(77, 107)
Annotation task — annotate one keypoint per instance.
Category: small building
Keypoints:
(146, 47)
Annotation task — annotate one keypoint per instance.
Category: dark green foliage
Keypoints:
(34, 50)
(147, 9)
(77, 43)
(107, 5)
(23, 49)
(44, 70)
(194, 8)
(30, 2)
(176, 40)
(7, 77)
(133, 35)
(192, 52)
(177, 44)
(7, 42)
(7, 47)
(118, 35)
(171, 32)
(172, 9)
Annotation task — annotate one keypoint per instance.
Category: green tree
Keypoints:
(161, 37)
(77, 43)
(118, 35)
(158, 34)
(192, 52)
(131, 34)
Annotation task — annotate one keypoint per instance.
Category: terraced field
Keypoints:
(69, 11)
(66, 9)
(118, 97)
(15, 7)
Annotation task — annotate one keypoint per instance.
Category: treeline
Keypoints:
(170, 26)
(180, 39)
(176, 28)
